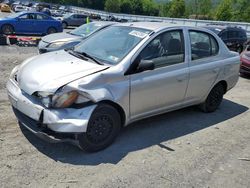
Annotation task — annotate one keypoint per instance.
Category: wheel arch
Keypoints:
(118, 108)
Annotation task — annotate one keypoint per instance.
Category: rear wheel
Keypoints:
(214, 99)
(103, 127)
(51, 30)
(7, 29)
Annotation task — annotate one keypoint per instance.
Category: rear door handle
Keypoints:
(181, 78)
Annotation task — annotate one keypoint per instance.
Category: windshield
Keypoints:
(86, 29)
(111, 45)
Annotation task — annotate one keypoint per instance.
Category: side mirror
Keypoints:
(140, 65)
(145, 65)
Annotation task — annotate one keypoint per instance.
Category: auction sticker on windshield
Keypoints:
(138, 34)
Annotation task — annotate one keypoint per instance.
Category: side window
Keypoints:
(166, 49)
(203, 45)
(81, 16)
(24, 17)
(32, 16)
(41, 17)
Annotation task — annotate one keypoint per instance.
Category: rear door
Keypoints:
(204, 64)
(42, 23)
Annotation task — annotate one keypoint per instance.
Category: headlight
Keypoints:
(56, 44)
(60, 99)
(64, 100)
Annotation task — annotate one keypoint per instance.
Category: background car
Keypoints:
(74, 20)
(20, 8)
(245, 61)
(68, 40)
(5, 8)
(30, 23)
(233, 37)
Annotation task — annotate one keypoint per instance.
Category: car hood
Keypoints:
(60, 37)
(5, 19)
(49, 72)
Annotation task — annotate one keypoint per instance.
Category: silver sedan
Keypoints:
(121, 74)
(60, 41)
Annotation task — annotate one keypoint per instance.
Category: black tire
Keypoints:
(103, 128)
(8, 29)
(214, 99)
(64, 25)
(51, 30)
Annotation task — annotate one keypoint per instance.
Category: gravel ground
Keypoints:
(185, 148)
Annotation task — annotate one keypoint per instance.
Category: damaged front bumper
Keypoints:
(42, 121)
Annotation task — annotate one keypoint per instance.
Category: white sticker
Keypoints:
(138, 34)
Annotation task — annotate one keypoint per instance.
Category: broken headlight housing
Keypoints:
(58, 100)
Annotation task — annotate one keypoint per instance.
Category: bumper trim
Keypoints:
(42, 132)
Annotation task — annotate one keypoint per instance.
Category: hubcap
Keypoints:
(7, 30)
(99, 129)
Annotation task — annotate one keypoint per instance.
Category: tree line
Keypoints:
(224, 10)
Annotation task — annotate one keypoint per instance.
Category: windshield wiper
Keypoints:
(84, 56)
(91, 57)
(76, 54)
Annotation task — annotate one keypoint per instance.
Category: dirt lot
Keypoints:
(186, 148)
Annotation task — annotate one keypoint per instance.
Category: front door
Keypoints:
(25, 24)
(164, 87)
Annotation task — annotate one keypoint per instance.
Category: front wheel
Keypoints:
(214, 99)
(103, 127)
(7, 29)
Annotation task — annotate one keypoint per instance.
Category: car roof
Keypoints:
(153, 26)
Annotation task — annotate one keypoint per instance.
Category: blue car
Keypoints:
(29, 23)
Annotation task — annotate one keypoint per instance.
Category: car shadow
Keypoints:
(141, 135)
